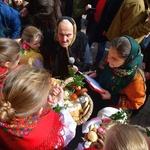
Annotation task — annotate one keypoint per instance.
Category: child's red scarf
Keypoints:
(33, 132)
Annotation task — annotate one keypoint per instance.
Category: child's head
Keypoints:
(10, 52)
(125, 137)
(144, 132)
(18, 4)
(32, 36)
(25, 92)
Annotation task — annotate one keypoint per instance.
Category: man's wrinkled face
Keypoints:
(65, 33)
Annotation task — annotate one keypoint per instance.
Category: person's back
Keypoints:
(130, 20)
(10, 25)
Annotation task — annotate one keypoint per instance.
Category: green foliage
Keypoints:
(58, 108)
(148, 132)
(121, 116)
(78, 79)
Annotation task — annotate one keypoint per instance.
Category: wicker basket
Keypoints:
(88, 114)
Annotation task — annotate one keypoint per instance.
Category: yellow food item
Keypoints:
(92, 136)
(74, 108)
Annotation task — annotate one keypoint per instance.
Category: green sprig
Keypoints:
(121, 116)
(78, 79)
(58, 108)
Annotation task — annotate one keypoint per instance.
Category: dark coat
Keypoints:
(45, 13)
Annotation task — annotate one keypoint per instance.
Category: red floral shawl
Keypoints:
(33, 132)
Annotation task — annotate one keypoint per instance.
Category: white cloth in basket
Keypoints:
(107, 112)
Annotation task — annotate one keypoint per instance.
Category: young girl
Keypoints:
(10, 52)
(18, 4)
(122, 77)
(26, 118)
(31, 41)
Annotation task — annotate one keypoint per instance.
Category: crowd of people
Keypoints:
(37, 40)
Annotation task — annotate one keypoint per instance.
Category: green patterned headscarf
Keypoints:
(116, 79)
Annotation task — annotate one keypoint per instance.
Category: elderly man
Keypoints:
(66, 43)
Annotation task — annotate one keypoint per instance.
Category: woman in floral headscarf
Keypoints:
(122, 78)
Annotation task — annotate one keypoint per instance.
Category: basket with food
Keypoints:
(94, 130)
(77, 101)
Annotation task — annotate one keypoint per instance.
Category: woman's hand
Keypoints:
(88, 7)
(106, 95)
(75, 68)
(56, 95)
(58, 92)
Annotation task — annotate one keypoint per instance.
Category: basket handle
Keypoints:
(67, 81)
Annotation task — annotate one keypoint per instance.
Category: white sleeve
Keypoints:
(69, 126)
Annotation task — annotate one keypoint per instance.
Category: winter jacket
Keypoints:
(10, 21)
(130, 20)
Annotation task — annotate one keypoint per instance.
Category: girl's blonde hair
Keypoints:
(125, 137)
(10, 50)
(24, 92)
(30, 33)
